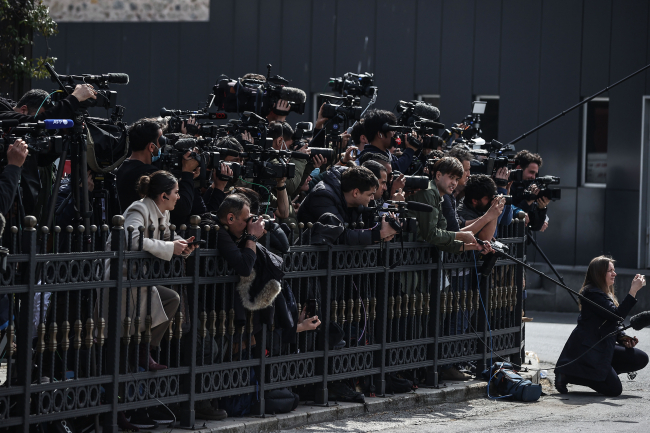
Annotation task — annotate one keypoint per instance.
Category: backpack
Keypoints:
(396, 384)
(241, 405)
(504, 380)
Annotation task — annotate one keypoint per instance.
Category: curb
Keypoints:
(449, 392)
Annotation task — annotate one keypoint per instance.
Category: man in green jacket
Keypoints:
(432, 225)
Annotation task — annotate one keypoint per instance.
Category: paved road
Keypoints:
(580, 410)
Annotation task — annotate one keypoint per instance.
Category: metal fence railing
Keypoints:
(79, 314)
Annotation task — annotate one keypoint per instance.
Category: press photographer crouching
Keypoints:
(161, 195)
(432, 226)
(598, 350)
(484, 207)
(341, 193)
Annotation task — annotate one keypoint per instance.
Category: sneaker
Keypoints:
(341, 391)
(452, 373)
(140, 419)
(204, 410)
(561, 383)
(161, 415)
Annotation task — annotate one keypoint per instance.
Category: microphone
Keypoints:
(293, 94)
(254, 116)
(639, 321)
(166, 113)
(185, 143)
(58, 123)
(8, 123)
(431, 124)
(426, 111)
(114, 78)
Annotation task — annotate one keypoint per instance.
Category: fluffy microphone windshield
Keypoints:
(292, 94)
(427, 111)
(640, 320)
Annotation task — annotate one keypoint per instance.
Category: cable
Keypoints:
(48, 97)
(267, 191)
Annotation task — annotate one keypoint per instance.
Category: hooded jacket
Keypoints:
(327, 197)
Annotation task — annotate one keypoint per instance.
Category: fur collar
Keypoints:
(263, 299)
(2, 224)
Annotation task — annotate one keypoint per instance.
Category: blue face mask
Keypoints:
(315, 172)
(155, 158)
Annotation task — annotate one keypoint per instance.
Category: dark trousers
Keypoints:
(625, 360)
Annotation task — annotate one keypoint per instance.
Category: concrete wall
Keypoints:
(539, 56)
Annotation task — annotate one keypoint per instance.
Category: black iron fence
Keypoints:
(80, 315)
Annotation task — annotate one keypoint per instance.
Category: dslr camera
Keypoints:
(523, 188)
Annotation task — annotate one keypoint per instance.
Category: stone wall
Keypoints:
(128, 10)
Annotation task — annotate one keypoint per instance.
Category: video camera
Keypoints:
(403, 223)
(237, 96)
(178, 117)
(106, 98)
(523, 188)
(37, 136)
(340, 110)
(351, 84)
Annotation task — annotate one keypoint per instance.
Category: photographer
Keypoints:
(282, 135)
(380, 142)
(449, 201)
(35, 105)
(432, 226)
(10, 176)
(530, 163)
(340, 193)
(216, 193)
(144, 139)
(484, 207)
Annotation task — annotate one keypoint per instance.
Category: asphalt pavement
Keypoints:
(579, 410)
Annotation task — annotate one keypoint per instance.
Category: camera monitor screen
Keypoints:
(478, 107)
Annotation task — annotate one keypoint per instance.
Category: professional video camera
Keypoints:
(340, 110)
(237, 96)
(178, 117)
(37, 136)
(266, 165)
(106, 98)
(494, 157)
(523, 188)
(351, 84)
(402, 223)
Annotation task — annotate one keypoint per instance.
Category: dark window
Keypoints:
(596, 119)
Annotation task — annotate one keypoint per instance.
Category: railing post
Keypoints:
(321, 395)
(383, 320)
(189, 386)
(519, 308)
(432, 376)
(114, 323)
(25, 319)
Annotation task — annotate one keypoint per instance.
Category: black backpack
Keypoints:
(277, 401)
(396, 384)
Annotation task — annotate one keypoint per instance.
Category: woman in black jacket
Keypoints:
(599, 367)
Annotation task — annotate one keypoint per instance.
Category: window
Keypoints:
(490, 119)
(594, 142)
(430, 99)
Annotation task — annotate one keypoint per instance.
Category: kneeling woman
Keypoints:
(599, 367)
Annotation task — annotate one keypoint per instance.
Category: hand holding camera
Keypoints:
(637, 283)
(387, 231)
(255, 227)
(17, 152)
(84, 91)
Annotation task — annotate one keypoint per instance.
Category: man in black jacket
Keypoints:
(342, 192)
(144, 136)
(536, 210)
(33, 105)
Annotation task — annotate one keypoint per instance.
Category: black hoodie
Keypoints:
(327, 197)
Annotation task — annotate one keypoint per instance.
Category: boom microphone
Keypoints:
(426, 111)
(113, 78)
(293, 94)
(640, 321)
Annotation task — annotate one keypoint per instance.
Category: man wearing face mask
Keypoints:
(146, 142)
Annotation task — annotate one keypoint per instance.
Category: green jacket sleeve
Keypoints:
(294, 183)
(432, 225)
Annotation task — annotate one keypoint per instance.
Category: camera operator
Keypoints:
(340, 193)
(35, 105)
(530, 163)
(282, 135)
(380, 142)
(432, 226)
(484, 204)
(144, 141)
(10, 176)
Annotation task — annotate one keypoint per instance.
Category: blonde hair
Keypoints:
(598, 268)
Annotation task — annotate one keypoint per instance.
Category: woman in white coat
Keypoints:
(160, 191)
